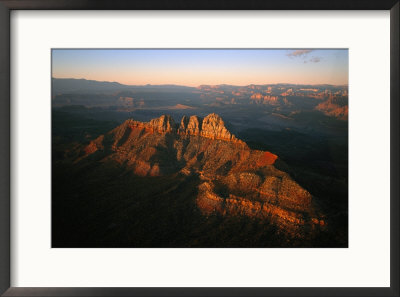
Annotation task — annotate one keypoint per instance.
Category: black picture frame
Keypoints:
(7, 6)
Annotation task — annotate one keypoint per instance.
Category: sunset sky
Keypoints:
(197, 67)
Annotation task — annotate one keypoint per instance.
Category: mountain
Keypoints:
(233, 180)
(85, 86)
(337, 107)
(71, 85)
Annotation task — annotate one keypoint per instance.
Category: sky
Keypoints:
(205, 66)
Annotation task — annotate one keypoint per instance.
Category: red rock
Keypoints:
(204, 147)
(266, 158)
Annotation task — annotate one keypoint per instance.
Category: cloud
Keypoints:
(299, 53)
(303, 54)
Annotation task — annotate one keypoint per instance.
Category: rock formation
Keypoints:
(213, 127)
(190, 126)
(335, 107)
(234, 179)
(163, 124)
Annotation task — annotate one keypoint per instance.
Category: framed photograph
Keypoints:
(198, 149)
(187, 163)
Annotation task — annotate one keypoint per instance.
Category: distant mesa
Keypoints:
(267, 99)
(182, 106)
(335, 106)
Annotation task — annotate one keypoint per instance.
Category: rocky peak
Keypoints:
(194, 125)
(183, 126)
(190, 126)
(163, 124)
(214, 127)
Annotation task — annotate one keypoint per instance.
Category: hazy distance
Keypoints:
(203, 66)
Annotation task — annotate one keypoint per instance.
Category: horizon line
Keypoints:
(220, 84)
